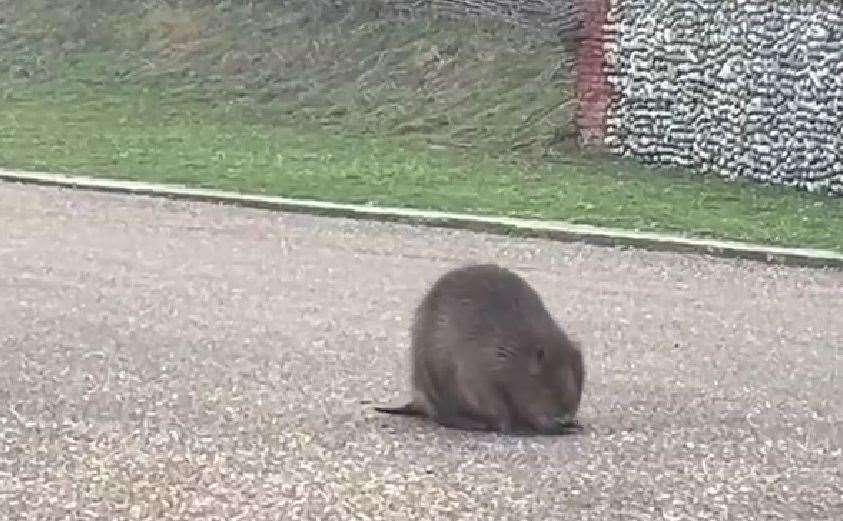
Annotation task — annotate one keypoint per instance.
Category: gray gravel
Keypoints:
(168, 360)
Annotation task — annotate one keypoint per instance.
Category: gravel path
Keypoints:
(167, 360)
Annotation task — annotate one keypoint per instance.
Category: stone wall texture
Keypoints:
(740, 88)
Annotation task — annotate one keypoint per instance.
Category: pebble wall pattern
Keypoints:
(740, 88)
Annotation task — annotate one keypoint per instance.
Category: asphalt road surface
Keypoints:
(170, 360)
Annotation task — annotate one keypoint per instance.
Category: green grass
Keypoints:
(425, 115)
(154, 136)
(486, 86)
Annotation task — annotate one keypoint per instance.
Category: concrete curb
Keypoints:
(522, 227)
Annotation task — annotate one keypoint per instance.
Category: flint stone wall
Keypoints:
(740, 88)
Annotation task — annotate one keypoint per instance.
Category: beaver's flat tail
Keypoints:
(409, 409)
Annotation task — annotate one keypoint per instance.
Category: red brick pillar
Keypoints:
(592, 86)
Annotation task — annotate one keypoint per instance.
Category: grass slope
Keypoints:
(308, 101)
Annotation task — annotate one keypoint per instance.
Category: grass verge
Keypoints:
(412, 133)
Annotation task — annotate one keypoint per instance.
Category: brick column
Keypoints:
(592, 87)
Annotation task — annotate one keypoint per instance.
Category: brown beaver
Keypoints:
(487, 355)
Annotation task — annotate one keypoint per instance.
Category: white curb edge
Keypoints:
(525, 227)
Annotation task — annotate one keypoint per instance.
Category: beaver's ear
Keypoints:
(575, 344)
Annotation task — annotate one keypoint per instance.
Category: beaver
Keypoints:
(487, 355)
